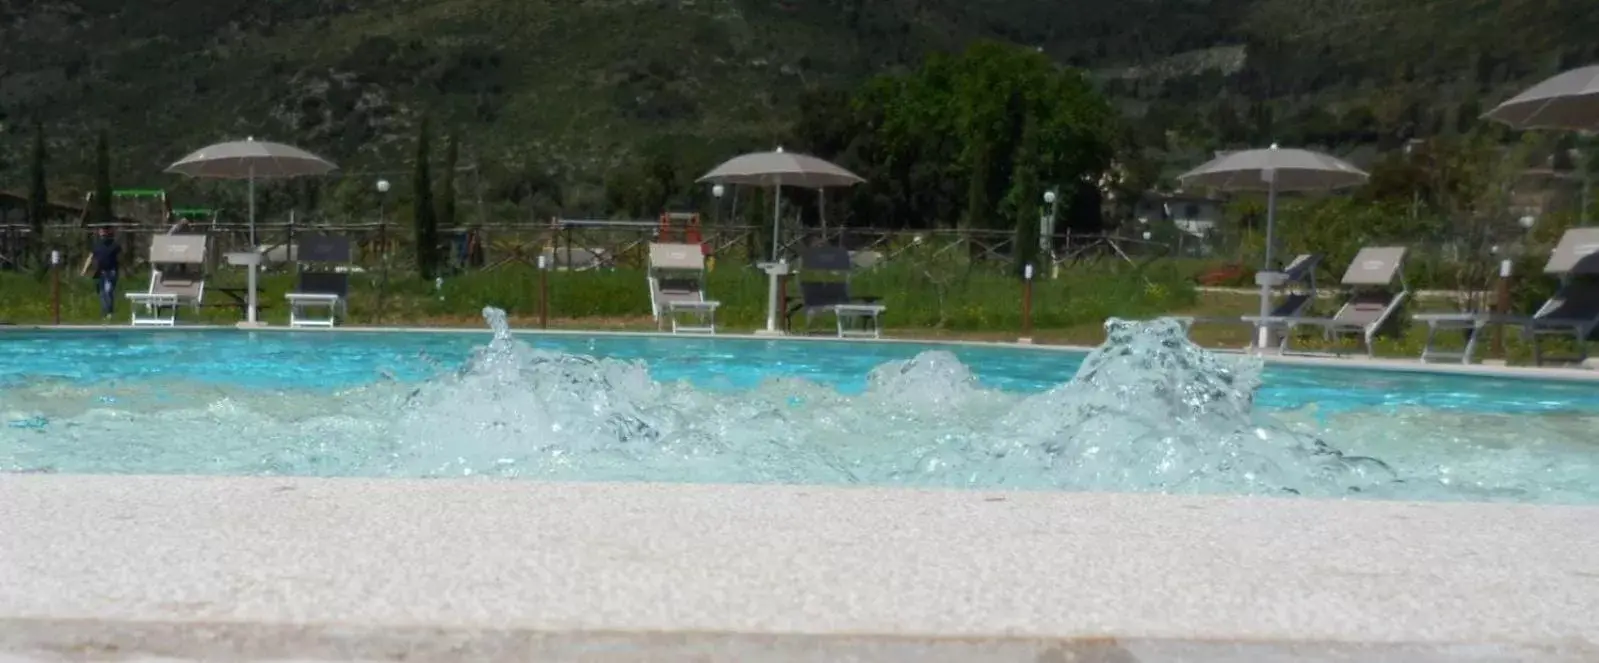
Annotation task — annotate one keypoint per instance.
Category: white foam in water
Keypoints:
(1148, 411)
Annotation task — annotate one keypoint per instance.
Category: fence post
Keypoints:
(1027, 304)
(1502, 308)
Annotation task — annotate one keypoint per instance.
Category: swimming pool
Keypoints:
(1149, 412)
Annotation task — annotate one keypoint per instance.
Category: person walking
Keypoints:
(106, 259)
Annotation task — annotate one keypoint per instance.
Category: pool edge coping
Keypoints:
(377, 524)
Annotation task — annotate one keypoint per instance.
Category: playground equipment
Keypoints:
(681, 227)
(141, 205)
(685, 227)
(195, 215)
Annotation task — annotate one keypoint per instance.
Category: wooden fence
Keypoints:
(569, 243)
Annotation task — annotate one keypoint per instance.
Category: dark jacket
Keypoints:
(107, 257)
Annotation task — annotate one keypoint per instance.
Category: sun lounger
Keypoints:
(1573, 310)
(677, 288)
(576, 259)
(322, 287)
(177, 278)
(1371, 303)
(824, 289)
(1298, 283)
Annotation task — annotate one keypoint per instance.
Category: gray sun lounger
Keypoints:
(677, 289)
(1572, 311)
(1296, 285)
(1377, 288)
(322, 287)
(177, 278)
(825, 289)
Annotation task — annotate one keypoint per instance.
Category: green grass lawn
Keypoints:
(974, 305)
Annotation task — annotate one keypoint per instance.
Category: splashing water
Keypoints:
(1147, 411)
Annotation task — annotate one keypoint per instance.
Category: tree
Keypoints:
(422, 212)
(100, 208)
(1002, 121)
(447, 195)
(38, 199)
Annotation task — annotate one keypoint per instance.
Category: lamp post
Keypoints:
(1046, 233)
(383, 245)
(716, 193)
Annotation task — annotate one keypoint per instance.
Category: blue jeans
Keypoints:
(108, 292)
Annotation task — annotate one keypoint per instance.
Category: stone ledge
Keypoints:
(38, 641)
(814, 567)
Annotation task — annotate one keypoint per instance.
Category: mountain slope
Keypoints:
(567, 88)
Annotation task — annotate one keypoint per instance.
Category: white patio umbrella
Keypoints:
(1272, 170)
(1568, 100)
(249, 160)
(778, 169)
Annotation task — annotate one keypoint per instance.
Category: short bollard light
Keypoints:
(55, 286)
(1027, 304)
(544, 292)
(1502, 306)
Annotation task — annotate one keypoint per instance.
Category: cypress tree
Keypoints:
(100, 210)
(422, 211)
(38, 199)
(446, 216)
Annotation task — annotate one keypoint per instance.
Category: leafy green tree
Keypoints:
(422, 211)
(1002, 121)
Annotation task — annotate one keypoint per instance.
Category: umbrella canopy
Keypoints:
(779, 168)
(1294, 170)
(250, 159)
(1566, 101)
(1272, 170)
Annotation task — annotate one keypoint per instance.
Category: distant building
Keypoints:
(1193, 214)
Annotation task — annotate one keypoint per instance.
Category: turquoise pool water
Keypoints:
(1150, 413)
(317, 361)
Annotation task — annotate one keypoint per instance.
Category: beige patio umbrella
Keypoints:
(1569, 101)
(249, 160)
(1271, 170)
(778, 169)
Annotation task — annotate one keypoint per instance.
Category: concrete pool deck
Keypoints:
(1561, 373)
(190, 568)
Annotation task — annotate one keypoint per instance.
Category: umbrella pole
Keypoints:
(772, 274)
(250, 285)
(821, 212)
(1263, 331)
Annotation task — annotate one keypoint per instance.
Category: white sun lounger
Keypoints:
(677, 289)
(320, 289)
(1573, 310)
(177, 278)
(1373, 299)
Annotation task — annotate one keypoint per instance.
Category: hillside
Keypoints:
(561, 91)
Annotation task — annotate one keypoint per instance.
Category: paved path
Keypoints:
(224, 568)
